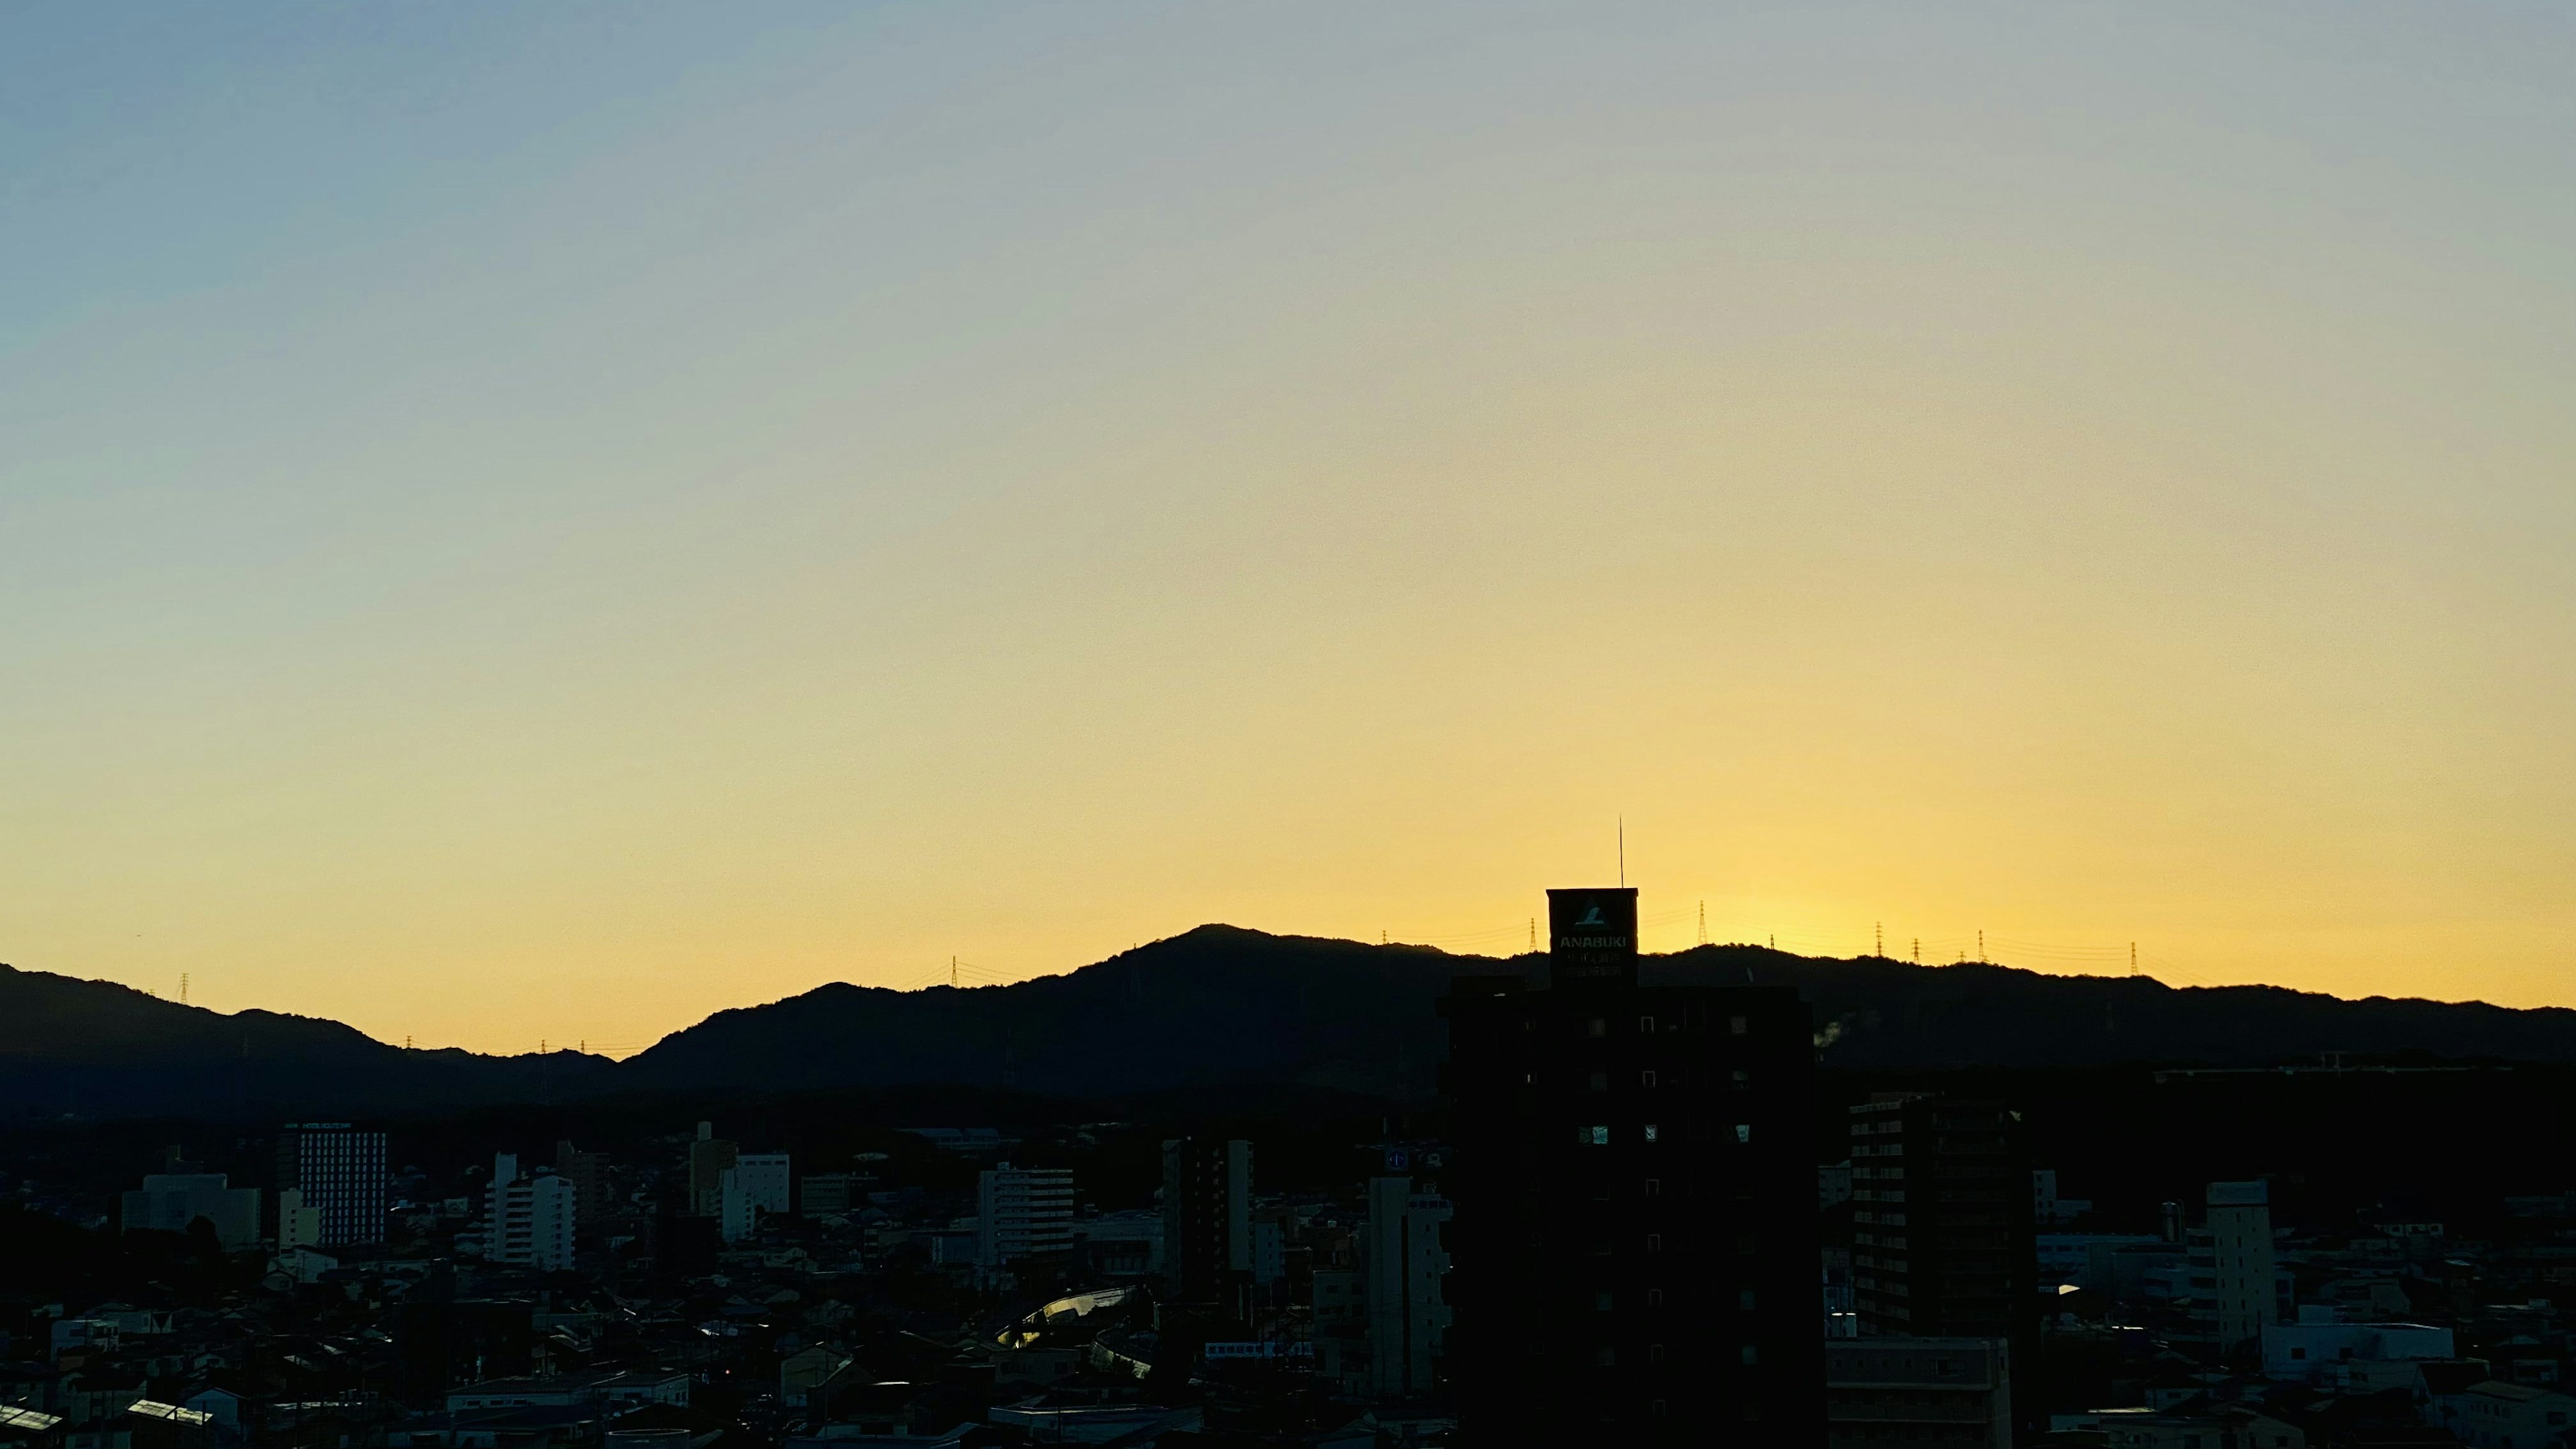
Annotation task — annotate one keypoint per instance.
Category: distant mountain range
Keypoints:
(1216, 1006)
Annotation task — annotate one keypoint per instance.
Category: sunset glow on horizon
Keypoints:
(540, 525)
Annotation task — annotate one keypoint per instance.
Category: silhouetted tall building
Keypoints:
(1404, 1259)
(588, 1174)
(710, 1158)
(337, 1173)
(1207, 1222)
(1634, 1186)
(1942, 1239)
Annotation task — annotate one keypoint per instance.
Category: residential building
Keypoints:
(1273, 1229)
(1207, 1221)
(753, 1188)
(1634, 1186)
(833, 1192)
(528, 1220)
(2046, 1206)
(1942, 1239)
(2092, 1261)
(588, 1174)
(169, 1201)
(2309, 1351)
(623, 1389)
(1022, 1212)
(1121, 1245)
(1954, 1392)
(2232, 1426)
(2496, 1415)
(338, 1173)
(2239, 1252)
(1405, 1263)
(1833, 1185)
(710, 1158)
(298, 1226)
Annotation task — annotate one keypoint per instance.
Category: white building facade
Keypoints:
(528, 1221)
(169, 1201)
(756, 1185)
(1021, 1212)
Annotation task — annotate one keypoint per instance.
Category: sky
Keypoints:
(537, 523)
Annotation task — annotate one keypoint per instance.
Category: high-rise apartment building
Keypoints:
(337, 1173)
(528, 1220)
(710, 1158)
(1022, 1212)
(588, 1174)
(1405, 1266)
(2237, 1255)
(1207, 1222)
(1942, 1239)
(1633, 1174)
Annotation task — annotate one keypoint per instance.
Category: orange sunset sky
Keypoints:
(541, 523)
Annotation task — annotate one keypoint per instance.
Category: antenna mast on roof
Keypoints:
(1623, 850)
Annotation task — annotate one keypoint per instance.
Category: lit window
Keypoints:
(1743, 1131)
(1593, 1136)
(1651, 1133)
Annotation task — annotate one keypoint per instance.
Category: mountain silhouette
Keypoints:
(1218, 1006)
(94, 1048)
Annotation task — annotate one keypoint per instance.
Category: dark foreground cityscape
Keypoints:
(1638, 1214)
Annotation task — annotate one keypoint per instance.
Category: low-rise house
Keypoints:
(2495, 1415)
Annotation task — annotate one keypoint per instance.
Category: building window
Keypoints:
(1599, 1027)
(1657, 1409)
(1609, 1356)
(1645, 1026)
(1645, 1079)
(1743, 1131)
(1654, 1298)
(1592, 1136)
(1750, 1357)
(1743, 1078)
(1654, 1187)
(1655, 1354)
(1744, 1300)
(1654, 1242)
(1601, 1081)
(1601, 1301)
(1735, 1025)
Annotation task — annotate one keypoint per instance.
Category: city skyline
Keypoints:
(527, 525)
